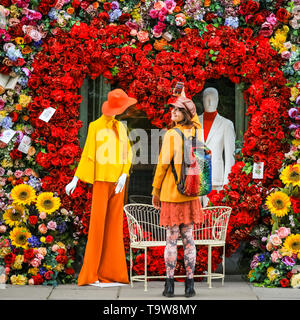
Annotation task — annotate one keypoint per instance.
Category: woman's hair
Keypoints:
(187, 120)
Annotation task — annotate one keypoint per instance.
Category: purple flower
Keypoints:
(298, 100)
(115, 5)
(294, 126)
(288, 261)
(293, 112)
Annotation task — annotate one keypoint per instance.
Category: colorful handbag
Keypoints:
(195, 177)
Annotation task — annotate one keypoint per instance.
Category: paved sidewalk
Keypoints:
(235, 288)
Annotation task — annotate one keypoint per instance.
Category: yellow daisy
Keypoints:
(291, 175)
(292, 243)
(23, 194)
(278, 203)
(47, 203)
(14, 215)
(19, 237)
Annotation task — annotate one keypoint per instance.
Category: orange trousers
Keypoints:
(104, 257)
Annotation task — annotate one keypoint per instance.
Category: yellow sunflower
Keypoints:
(278, 203)
(47, 203)
(14, 215)
(23, 194)
(19, 236)
(292, 243)
(291, 175)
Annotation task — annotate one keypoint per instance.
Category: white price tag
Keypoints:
(47, 114)
(7, 135)
(258, 170)
(25, 144)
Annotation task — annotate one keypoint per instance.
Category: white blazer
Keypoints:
(221, 138)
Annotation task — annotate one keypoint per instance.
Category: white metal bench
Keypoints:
(145, 232)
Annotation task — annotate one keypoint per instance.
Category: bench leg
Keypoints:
(146, 269)
(223, 262)
(209, 267)
(131, 282)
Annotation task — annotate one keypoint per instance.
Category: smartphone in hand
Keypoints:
(178, 88)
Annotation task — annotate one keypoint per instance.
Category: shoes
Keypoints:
(189, 288)
(169, 288)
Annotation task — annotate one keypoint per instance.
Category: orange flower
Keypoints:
(26, 50)
(187, 30)
(160, 44)
(25, 118)
(95, 5)
(177, 9)
(70, 10)
(18, 107)
(236, 2)
(206, 3)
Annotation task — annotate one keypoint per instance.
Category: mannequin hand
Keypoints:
(71, 186)
(183, 93)
(156, 202)
(121, 183)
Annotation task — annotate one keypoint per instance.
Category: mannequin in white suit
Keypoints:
(219, 137)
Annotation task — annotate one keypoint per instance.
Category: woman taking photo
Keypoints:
(178, 212)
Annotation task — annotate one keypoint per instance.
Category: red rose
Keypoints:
(124, 17)
(62, 259)
(38, 279)
(61, 251)
(295, 204)
(282, 15)
(16, 154)
(284, 283)
(252, 7)
(33, 220)
(75, 3)
(14, 116)
(49, 239)
(107, 6)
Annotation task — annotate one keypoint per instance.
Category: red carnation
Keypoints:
(33, 220)
(284, 283)
(69, 271)
(9, 258)
(28, 254)
(49, 239)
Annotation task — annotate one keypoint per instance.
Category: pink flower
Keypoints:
(28, 172)
(18, 174)
(296, 66)
(285, 54)
(39, 256)
(52, 225)
(133, 32)
(43, 215)
(143, 36)
(153, 14)
(272, 19)
(170, 5)
(266, 29)
(31, 282)
(55, 247)
(275, 239)
(35, 262)
(2, 229)
(283, 232)
(297, 133)
(275, 256)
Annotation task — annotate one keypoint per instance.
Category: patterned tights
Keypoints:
(186, 231)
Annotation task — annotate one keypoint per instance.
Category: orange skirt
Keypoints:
(186, 212)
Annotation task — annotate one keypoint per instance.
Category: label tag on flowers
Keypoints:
(25, 144)
(7, 135)
(258, 170)
(47, 114)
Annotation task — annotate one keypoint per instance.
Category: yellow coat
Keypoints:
(107, 152)
(164, 182)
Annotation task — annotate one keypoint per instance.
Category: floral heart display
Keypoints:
(84, 39)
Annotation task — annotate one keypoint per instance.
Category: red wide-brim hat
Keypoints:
(117, 102)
